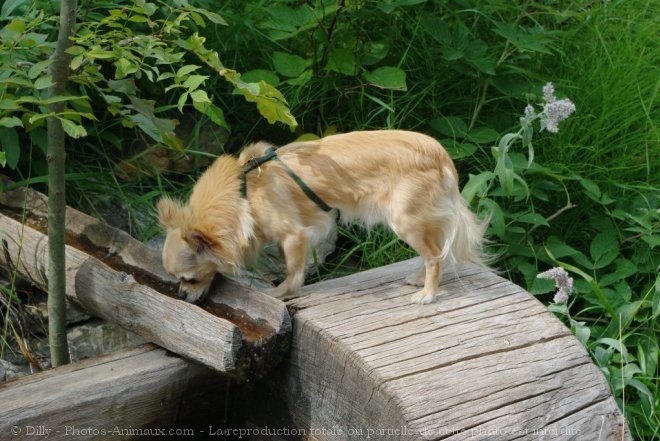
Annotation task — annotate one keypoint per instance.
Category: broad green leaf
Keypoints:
(194, 81)
(199, 96)
(458, 150)
(126, 86)
(10, 121)
(483, 135)
(388, 77)
(72, 129)
(38, 69)
(256, 75)
(124, 67)
(213, 112)
(438, 29)
(10, 146)
(303, 79)
(449, 126)
(581, 331)
(373, 52)
(604, 249)
(616, 345)
(591, 189)
(16, 25)
(496, 214)
(533, 218)
(212, 16)
(43, 82)
(342, 61)
(289, 65)
(100, 53)
(3, 158)
(475, 184)
(185, 70)
(643, 391)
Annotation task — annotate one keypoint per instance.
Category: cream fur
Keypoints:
(405, 180)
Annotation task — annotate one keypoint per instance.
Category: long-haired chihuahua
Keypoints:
(294, 195)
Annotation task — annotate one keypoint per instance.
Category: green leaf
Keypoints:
(388, 77)
(581, 331)
(256, 75)
(483, 135)
(288, 65)
(182, 101)
(616, 345)
(16, 25)
(124, 68)
(10, 121)
(200, 96)
(213, 112)
(458, 150)
(194, 81)
(604, 249)
(3, 158)
(591, 189)
(43, 82)
(72, 129)
(438, 29)
(496, 217)
(185, 70)
(373, 52)
(656, 298)
(38, 69)
(126, 86)
(644, 392)
(476, 183)
(533, 218)
(342, 61)
(212, 16)
(10, 145)
(449, 126)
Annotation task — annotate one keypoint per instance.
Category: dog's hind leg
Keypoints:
(294, 249)
(425, 244)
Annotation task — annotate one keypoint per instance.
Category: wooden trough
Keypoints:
(113, 276)
(487, 361)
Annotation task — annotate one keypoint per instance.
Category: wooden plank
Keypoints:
(116, 296)
(117, 278)
(101, 397)
(486, 361)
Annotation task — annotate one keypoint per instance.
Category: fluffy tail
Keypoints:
(463, 233)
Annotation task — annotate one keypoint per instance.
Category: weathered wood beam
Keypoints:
(115, 277)
(107, 397)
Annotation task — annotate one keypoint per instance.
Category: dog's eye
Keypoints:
(190, 281)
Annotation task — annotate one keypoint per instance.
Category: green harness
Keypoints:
(272, 155)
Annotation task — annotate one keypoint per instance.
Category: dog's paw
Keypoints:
(416, 279)
(422, 297)
(279, 291)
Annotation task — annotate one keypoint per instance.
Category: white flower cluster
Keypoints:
(563, 282)
(554, 110)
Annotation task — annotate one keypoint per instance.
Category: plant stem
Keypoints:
(59, 69)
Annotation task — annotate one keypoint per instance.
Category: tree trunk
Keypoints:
(59, 69)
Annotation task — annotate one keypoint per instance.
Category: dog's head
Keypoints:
(188, 254)
(210, 233)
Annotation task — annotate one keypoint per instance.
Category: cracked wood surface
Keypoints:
(485, 361)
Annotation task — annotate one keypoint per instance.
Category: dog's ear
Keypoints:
(198, 241)
(170, 212)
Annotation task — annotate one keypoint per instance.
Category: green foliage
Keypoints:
(126, 56)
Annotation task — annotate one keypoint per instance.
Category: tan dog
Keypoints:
(402, 179)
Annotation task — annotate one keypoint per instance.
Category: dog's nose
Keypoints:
(182, 293)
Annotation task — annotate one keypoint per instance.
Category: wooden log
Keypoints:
(111, 397)
(117, 278)
(486, 361)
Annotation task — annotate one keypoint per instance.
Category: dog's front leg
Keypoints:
(294, 249)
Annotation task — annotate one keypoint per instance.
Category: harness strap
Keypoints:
(272, 155)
